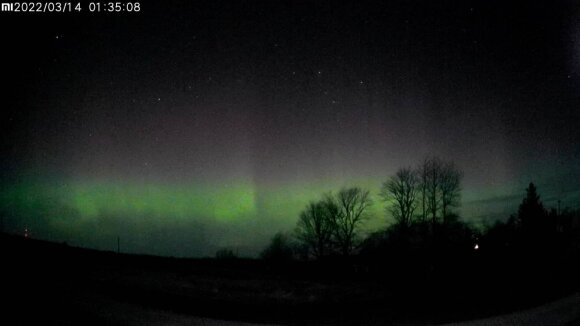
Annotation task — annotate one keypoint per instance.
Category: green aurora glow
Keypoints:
(194, 219)
(64, 210)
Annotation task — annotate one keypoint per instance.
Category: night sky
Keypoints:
(196, 125)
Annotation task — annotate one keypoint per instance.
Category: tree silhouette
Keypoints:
(279, 250)
(439, 185)
(316, 226)
(450, 188)
(422, 172)
(402, 189)
(352, 204)
(433, 187)
(225, 254)
(429, 174)
(531, 212)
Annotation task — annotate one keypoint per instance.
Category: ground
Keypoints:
(55, 284)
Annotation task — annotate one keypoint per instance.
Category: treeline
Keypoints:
(535, 228)
(425, 195)
(428, 260)
(422, 202)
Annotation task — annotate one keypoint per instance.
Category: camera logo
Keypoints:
(6, 6)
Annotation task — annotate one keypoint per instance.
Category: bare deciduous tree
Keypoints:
(402, 189)
(439, 188)
(352, 204)
(450, 188)
(422, 172)
(316, 227)
(429, 172)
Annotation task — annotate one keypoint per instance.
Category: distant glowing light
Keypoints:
(476, 247)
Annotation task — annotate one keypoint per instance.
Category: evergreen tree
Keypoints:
(531, 213)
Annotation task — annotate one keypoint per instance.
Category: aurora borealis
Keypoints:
(189, 127)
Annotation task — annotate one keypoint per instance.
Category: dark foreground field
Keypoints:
(48, 283)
